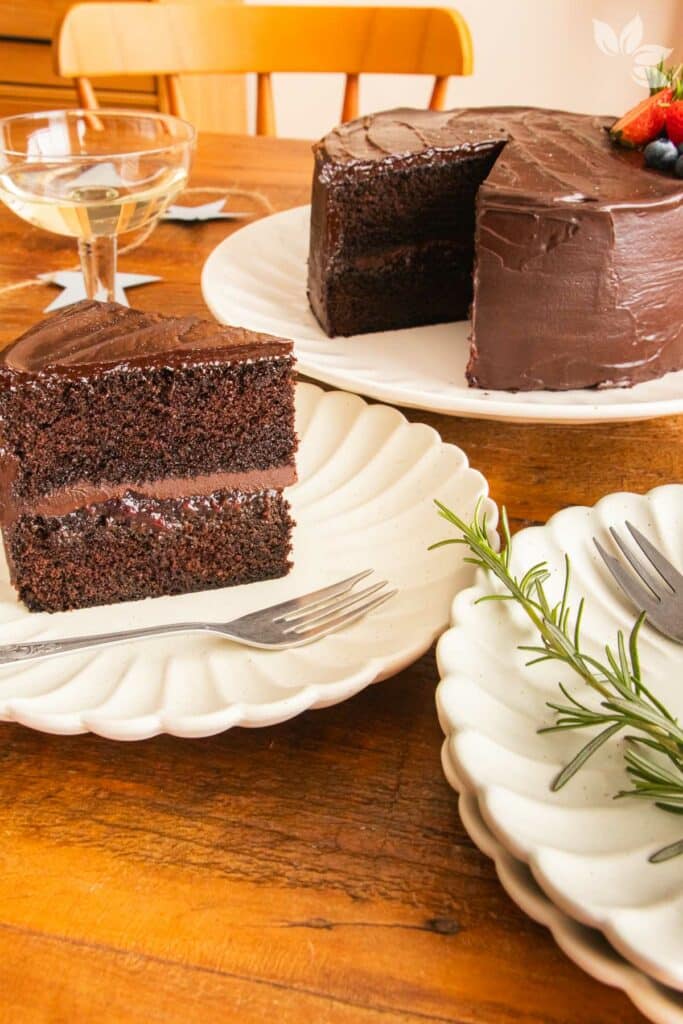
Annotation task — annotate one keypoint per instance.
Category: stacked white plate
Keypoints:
(586, 946)
(576, 860)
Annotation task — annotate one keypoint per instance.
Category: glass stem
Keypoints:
(98, 263)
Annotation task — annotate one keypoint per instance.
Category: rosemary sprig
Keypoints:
(653, 751)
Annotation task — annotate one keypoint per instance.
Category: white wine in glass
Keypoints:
(93, 175)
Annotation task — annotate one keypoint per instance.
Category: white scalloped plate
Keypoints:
(367, 478)
(587, 947)
(587, 852)
(256, 278)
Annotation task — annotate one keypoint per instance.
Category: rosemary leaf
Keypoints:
(580, 759)
(667, 853)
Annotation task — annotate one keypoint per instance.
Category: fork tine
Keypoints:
(279, 611)
(320, 604)
(640, 570)
(663, 566)
(635, 591)
(311, 617)
(317, 632)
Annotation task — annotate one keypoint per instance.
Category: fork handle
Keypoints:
(11, 653)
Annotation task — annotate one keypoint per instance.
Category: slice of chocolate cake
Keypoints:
(143, 455)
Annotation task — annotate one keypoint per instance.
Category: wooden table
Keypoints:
(316, 871)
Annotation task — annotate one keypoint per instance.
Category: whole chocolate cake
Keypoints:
(566, 248)
(143, 455)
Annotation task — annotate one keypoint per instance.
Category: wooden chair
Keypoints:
(101, 39)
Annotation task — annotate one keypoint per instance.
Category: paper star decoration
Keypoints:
(74, 286)
(208, 211)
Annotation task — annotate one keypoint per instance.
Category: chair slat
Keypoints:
(176, 100)
(86, 94)
(265, 105)
(439, 95)
(350, 104)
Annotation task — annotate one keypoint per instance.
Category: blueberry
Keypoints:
(661, 154)
(679, 167)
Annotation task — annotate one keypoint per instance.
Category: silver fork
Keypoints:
(660, 596)
(288, 624)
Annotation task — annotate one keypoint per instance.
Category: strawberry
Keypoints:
(674, 121)
(644, 122)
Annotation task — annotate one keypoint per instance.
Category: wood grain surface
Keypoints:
(315, 871)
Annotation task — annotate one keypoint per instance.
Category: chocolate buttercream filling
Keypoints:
(83, 494)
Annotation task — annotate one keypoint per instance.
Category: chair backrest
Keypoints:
(101, 39)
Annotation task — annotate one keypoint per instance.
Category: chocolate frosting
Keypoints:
(90, 336)
(84, 494)
(404, 131)
(550, 155)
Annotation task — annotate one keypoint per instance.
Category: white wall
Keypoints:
(538, 52)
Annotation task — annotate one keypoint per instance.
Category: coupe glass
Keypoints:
(93, 175)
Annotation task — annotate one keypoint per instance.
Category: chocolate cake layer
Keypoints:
(78, 402)
(388, 292)
(577, 243)
(133, 547)
(143, 455)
